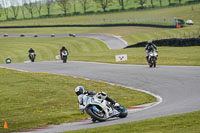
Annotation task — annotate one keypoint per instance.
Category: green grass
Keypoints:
(158, 16)
(30, 100)
(46, 48)
(131, 34)
(55, 10)
(84, 49)
(183, 123)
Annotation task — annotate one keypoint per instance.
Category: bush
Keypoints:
(174, 42)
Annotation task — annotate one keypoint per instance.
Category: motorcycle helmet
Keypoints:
(101, 95)
(79, 90)
(149, 41)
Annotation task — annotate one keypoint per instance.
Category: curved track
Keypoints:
(113, 42)
(177, 85)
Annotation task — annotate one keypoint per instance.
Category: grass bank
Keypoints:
(163, 16)
(32, 100)
(183, 123)
(84, 49)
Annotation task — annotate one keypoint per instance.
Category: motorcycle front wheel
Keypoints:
(100, 115)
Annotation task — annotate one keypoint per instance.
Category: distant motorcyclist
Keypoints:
(80, 92)
(8, 60)
(62, 50)
(30, 52)
(150, 47)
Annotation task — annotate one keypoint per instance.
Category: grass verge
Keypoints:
(84, 49)
(182, 123)
(32, 100)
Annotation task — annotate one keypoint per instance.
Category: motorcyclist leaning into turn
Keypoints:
(63, 49)
(150, 47)
(31, 51)
(80, 92)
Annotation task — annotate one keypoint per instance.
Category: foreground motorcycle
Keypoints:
(100, 109)
(32, 57)
(64, 56)
(152, 58)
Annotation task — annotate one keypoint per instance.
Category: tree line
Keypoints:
(12, 8)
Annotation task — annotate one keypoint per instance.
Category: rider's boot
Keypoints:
(147, 58)
(93, 120)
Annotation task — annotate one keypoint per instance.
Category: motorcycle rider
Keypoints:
(63, 49)
(31, 51)
(80, 92)
(8, 60)
(150, 47)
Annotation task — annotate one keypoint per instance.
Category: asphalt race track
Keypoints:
(179, 87)
(113, 42)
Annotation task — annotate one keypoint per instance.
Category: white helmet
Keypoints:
(149, 41)
(79, 90)
(101, 95)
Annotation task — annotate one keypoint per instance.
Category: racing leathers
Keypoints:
(92, 93)
(150, 47)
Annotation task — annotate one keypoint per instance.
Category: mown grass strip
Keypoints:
(84, 49)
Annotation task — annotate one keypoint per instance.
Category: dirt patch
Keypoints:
(174, 42)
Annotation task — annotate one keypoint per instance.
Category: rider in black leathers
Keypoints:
(31, 51)
(150, 47)
(63, 49)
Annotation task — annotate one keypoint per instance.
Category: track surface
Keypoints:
(113, 42)
(177, 85)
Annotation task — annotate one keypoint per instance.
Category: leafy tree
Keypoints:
(85, 4)
(38, 5)
(104, 3)
(14, 8)
(64, 4)
(179, 2)
(49, 4)
(141, 2)
(1, 8)
(152, 3)
(5, 7)
(160, 3)
(169, 1)
(29, 6)
(74, 3)
(23, 8)
(121, 3)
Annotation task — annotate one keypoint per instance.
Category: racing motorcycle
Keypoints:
(100, 110)
(152, 57)
(64, 56)
(32, 57)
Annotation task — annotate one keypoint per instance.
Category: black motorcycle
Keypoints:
(32, 56)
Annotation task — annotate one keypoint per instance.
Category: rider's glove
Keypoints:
(116, 105)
